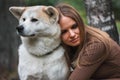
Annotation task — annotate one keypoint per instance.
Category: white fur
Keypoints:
(34, 62)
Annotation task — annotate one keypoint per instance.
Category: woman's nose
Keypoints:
(72, 33)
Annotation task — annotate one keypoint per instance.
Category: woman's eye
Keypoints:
(34, 19)
(74, 26)
(64, 31)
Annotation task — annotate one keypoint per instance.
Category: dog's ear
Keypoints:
(17, 11)
(52, 13)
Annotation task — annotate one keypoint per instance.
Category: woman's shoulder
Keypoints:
(94, 51)
(93, 42)
(94, 46)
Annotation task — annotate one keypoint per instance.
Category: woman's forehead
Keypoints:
(66, 22)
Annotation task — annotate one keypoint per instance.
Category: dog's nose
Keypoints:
(20, 28)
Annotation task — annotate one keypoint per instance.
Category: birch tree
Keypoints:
(100, 15)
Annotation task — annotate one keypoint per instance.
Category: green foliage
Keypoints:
(40, 2)
(79, 5)
(118, 26)
(116, 8)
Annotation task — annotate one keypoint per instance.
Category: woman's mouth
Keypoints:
(74, 40)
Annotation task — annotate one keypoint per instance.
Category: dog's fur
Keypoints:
(41, 57)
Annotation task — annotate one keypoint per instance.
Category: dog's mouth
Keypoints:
(24, 35)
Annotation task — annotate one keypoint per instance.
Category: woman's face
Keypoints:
(69, 31)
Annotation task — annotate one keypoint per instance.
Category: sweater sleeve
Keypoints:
(93, 54)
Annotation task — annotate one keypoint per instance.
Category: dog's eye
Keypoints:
(34, 19)
(24, 19)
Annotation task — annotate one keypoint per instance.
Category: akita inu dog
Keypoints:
(41, 57)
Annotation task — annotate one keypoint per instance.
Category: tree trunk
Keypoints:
(9, 40)
(100, 15)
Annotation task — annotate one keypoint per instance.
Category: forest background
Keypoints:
(10, 41)
(80, 6)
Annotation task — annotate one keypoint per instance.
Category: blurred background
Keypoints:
(10, 41)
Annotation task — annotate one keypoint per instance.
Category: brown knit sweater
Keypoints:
(108, 68)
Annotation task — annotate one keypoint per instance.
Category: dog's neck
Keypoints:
(40, 46)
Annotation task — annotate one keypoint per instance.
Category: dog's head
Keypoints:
(36, 20)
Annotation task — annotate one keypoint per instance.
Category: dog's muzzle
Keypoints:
(20, 29)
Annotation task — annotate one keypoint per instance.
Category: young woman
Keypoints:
(91, 52)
